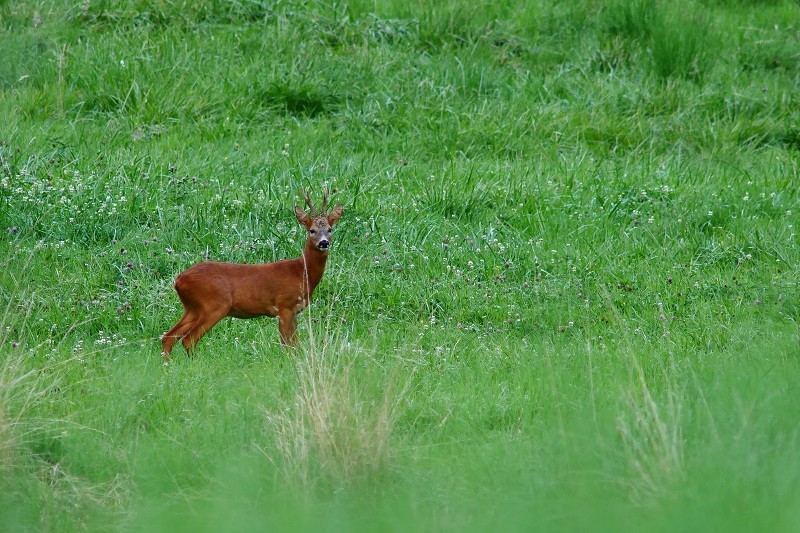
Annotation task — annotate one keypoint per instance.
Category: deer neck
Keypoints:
(314, 264)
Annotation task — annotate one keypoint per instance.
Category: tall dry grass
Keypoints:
(650, 425)
(335, 430)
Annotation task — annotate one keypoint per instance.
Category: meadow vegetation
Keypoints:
(564, 293)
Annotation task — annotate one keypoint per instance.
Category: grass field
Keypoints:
(564, 293)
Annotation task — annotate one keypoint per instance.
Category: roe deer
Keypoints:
(211, 291)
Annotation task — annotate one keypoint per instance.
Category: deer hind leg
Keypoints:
(287, 327)
(200, 327)
(177, 332)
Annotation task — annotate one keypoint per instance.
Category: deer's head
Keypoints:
(319, 224)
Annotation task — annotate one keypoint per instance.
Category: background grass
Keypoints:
(564, 292)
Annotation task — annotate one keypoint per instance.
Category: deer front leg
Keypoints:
(287, 327)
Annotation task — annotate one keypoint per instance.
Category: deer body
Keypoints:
(210, 291)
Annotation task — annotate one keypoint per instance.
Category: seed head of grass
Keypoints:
(335, 431)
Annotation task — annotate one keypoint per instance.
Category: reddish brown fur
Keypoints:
(210, 291)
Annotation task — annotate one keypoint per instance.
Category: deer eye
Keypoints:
(312, 231)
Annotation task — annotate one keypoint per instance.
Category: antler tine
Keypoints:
(324, 201)
(308, 203)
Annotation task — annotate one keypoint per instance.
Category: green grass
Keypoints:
(564, 293)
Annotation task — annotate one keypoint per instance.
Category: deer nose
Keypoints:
(323, 244)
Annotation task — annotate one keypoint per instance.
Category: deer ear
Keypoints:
(302, 217)
(335, 214)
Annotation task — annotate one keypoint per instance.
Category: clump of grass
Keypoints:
(148, 12)
(770, 49)
(19, 390)
(37, 485)
(678, 37)
(450, 198)
(22, 390)
(298, 99)
(683, 43)
(632, 19)
(652, 439)
(9, 383)
(335, 432)
(452, 26)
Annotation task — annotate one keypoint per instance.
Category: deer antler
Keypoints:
(308, 203)
(325, 201)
